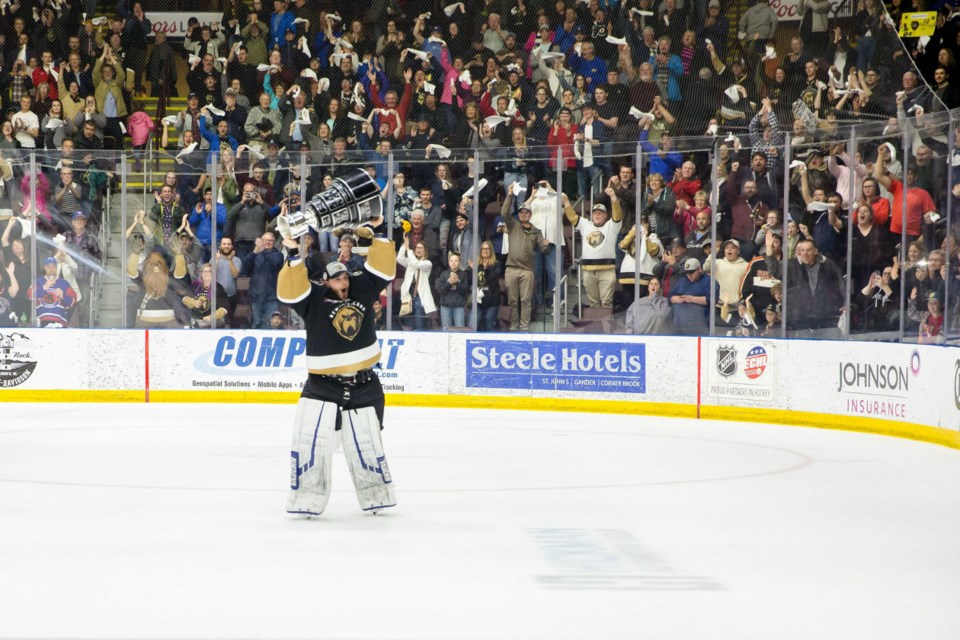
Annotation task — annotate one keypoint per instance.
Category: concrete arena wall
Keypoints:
(910, 391)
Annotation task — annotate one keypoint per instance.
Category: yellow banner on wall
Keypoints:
(915, 25)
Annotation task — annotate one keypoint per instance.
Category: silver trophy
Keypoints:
(351, 200)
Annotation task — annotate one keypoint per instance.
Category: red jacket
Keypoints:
(560, 138)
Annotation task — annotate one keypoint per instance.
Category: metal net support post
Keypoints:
(784, 253)
(560, 280)
(124, 248)
(388, 310)
(214, 203)
(851, 221)
(475, 278)
(35, 216)
(903, 232)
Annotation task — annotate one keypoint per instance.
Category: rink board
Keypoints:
(905, 390)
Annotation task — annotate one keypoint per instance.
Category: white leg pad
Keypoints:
(314, 440)
(360, 435)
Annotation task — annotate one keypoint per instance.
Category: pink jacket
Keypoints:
(139, 126)
(450, 75)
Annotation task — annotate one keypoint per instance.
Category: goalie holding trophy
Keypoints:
(342, 401)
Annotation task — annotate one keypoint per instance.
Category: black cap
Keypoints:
(192, 95)
(265, 125)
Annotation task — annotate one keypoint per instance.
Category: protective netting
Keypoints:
(712, 123)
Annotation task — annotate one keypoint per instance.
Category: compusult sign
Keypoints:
(566, 366)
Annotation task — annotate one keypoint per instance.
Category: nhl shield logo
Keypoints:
(726, 360)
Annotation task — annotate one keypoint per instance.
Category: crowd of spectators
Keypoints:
(548, 94)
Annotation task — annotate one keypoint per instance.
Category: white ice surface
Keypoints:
(167, 521)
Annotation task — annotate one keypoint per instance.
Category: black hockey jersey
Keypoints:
(341, 334)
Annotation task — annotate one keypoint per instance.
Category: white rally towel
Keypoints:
(733, 92)
(494, 121)
(265, 67)
(187, 149)
(640, 115)
(469, 192)
(441, 150)
(422, 55)
(357, 117)
(616, 41)
(217, 112)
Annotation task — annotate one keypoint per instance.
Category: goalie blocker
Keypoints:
(342, 402)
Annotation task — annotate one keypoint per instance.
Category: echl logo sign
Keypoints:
(726, 360)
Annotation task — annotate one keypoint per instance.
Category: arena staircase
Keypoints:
(141, 184)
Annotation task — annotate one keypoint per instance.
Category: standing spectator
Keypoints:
(748, 212)
(599, 258)
(488, 288)
(545, 216)
(668, 71)
(136, 29)
(920, 206)
(690, 298)
(165, 216)
(280, 22)
(247, 220)
(461, 241)
(84, 244)
(108, 78)
(68, 195)
(139, 125)
(590, 142)
(659, 206)
(416, 298)
(262, 267)
(201, 222)
(454, 289)
(815, 292)
(729, 275)
(227, 265)
(757, 25)
(524, 238)
(161, 68)
(26, 124)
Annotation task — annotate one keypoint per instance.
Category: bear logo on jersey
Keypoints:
(347, 322)
(595, 238)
